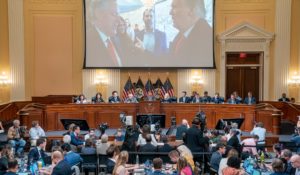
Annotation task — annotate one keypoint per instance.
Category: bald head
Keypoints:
(185, 122)
(57, 156)
(295, 161)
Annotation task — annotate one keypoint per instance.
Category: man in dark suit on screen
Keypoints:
(100, 50)
(193, 45)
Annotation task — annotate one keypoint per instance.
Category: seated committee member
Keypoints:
(194, 42)
(114, 98)
(217, 99)
(184, 98)
(149, 96)
(130, 99)
(81, 99)
(167, 98)
(36, 132)
(250, 100)
(237, 97)
(284, 98)
(75, 140)
(98, 98)
(14, 137)
(206, 98)
(232, 100)
(196, 99)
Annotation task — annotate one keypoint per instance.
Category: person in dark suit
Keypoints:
(250, 100)
(234, 140)
(284, 98)
(184, 98)
(196, 99)
(114, 98)
(232, 100)
(61, 166)
(100, 49)
(148, 147)
(167, 98)
(12, 167)
(194, 42)
(75, 140)
(182, 129)
(151, 40)
(206, 98)
(111, 161)
(217, 99)
(149, 96)
(217, 156)
(71, 157)
(98, 98)
(37, 153)
(166, 147)
(194, 139)
(88, 147)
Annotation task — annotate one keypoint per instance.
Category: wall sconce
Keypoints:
(4, 79)
(101, 80)
(295, 80)
(197, 79)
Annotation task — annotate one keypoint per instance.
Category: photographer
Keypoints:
(14, 137)
(194, 139)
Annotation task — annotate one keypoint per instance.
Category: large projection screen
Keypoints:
(149, 33)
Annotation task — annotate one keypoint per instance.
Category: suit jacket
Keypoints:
(112, 99)
(75, 140)
(206, 99)
(195, 100)
(251, 100)
(35, 155)
(149, 98)
(215, 160)
(100, 100)
(160, 47)
(235, 143)
(194, 139)
(73, 158)
(284, 99)
(217, 100)
(62, 168)
(187, 99)
(196, 49)
(88, 150)
(110, 166)
(165, 148)
(148, 147)
(180, 130)
(132, 100)
(230, 101)
(169, 100)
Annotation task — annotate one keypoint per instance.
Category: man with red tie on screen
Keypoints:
(193, 45)
(100, 50)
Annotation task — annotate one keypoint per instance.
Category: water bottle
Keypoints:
(137, 161)
(262, 157)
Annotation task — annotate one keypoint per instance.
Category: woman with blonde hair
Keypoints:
(183, 167)
(120, 168)
(223, 164)
(185, 152)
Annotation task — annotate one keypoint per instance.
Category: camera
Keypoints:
(202, 117)
(103, 127)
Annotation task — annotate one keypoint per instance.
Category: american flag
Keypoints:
(128, 88)
(158, 87)
(149, 86)
(168, 88)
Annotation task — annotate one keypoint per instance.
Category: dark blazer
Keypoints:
(169, 100)
(149, 98)
(160, 47)
(194, 139)
(112, 99)
(88, 150)
(180, 130)
(217, 100)
(75, 140)
(215, 160)
(206, 99)
(187, 99)
(73, 158)
(247, 100)
(165, 148)
(100, 100)
(234, 143)
(110, 166)
(195, 99)
(62, 168)
(193, 48)
(35, 155)
(284, 99)
(148, 147)
(230, 101)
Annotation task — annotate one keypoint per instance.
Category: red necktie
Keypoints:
(178, 43)
(112, 51)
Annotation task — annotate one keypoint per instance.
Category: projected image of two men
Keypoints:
(149, 33)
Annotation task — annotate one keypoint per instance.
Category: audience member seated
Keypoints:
(184, 98)
(277, 167)
(37, 153)
(284, 98)
(15, 139)
(182, 129)
(142, 141)
(187, 154)
(120, 168)
(6, 154)
(261, 132)
(130, 99)
(217, 156)
(183, 167)
(286, 156)
(296, 139)
(13, 167)
(232, 100)
(235, 126)
(81, 99)
(88, 147)
(119, 137)
(102, 145)
(1, 128)
(233, 141)
(295, 161)
(217, 99)
(194, 137)
(249, 147)
(196, 98)
(215, 137)
(111, 161)
(167, 98)
(237, 97)
(67, 139)
(70, 129)
(75, 140)
(70, 157)
(61, 166)
(166, 147)
(91, 135)
(148, 147)
(98, 98)
(277, 150)
(250, 100)
(157, 165)
(36, 132)
(206, 98)
(233, 167)
(114, 98)
(223, 163)
(149, 96)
